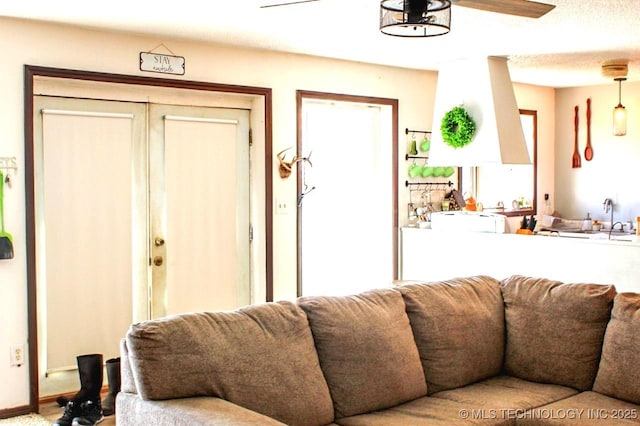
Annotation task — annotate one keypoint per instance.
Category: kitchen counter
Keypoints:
(431, 255)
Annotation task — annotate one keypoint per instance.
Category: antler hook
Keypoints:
(286, 167)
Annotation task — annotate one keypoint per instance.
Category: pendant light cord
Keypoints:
(620, 80)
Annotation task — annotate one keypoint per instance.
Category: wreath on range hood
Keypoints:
(457, 127)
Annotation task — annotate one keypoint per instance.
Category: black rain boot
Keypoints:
(113, 379)
(85, 408)
(88, 372)
(91, 375)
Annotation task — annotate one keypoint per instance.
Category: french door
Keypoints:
(142, 211)
(199, 203)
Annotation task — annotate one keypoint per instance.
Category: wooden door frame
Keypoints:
(30, 73)
(339, 97)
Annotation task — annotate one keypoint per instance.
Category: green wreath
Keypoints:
(457, 127)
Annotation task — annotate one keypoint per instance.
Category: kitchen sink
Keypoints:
(616, 235)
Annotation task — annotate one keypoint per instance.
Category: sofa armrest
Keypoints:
(207, 411)
(127, 383)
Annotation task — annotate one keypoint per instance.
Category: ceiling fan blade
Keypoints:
(288, 3)
(529, 9)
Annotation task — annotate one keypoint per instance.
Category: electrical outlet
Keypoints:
(17, 355)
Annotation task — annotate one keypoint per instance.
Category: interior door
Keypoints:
(200, 230)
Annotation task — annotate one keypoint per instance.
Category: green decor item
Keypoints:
(415, 170)
(425, 145)
(457, 127)
(6, 240)
(448, 171)
(413, 150)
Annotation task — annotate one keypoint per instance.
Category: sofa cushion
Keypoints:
(366, 350)
(555, 330)
(458, 326)
(504, 396)
(619, 371)
(260, 357)
(583, 409)
(426, 411)
(201, 411)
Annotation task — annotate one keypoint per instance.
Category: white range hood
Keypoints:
(483, 87)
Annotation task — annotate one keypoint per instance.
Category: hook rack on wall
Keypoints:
(428, 185)
(9, 166)
(424, 157)
(407, 131)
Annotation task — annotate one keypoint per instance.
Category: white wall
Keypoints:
(47, 45)
(614, 170)
(541, 99)
(74, 48)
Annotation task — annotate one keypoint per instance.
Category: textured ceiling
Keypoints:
(564, 48)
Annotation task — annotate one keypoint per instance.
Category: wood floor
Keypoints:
(53, 411)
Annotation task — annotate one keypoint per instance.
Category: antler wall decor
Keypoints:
(286, 167)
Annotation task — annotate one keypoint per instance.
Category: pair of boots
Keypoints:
(85, 407)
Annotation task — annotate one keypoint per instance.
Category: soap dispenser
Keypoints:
(587, 223)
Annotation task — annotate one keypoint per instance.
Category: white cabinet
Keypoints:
(431, 255)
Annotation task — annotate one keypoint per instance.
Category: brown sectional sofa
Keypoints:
(474, 350)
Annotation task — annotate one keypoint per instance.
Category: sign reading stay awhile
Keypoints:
(165, 64)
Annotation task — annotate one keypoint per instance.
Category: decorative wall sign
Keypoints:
(165, 64)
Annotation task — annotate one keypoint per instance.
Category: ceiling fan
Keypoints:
(525, 8)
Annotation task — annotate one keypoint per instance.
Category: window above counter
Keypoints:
(508, 189)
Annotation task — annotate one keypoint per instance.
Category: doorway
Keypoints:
(143, 211)
(253, 102)
(347, 204)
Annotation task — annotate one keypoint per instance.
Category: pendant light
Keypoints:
(617, 69)
(619, 112)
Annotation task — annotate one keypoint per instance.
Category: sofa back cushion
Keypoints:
(458, 326)
(619, 371)
(260, 357)
(555, 330)
(366, 350)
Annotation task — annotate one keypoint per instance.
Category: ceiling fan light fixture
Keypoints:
(415, 18)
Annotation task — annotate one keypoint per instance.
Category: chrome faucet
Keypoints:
(608, 207)
(613, 226)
